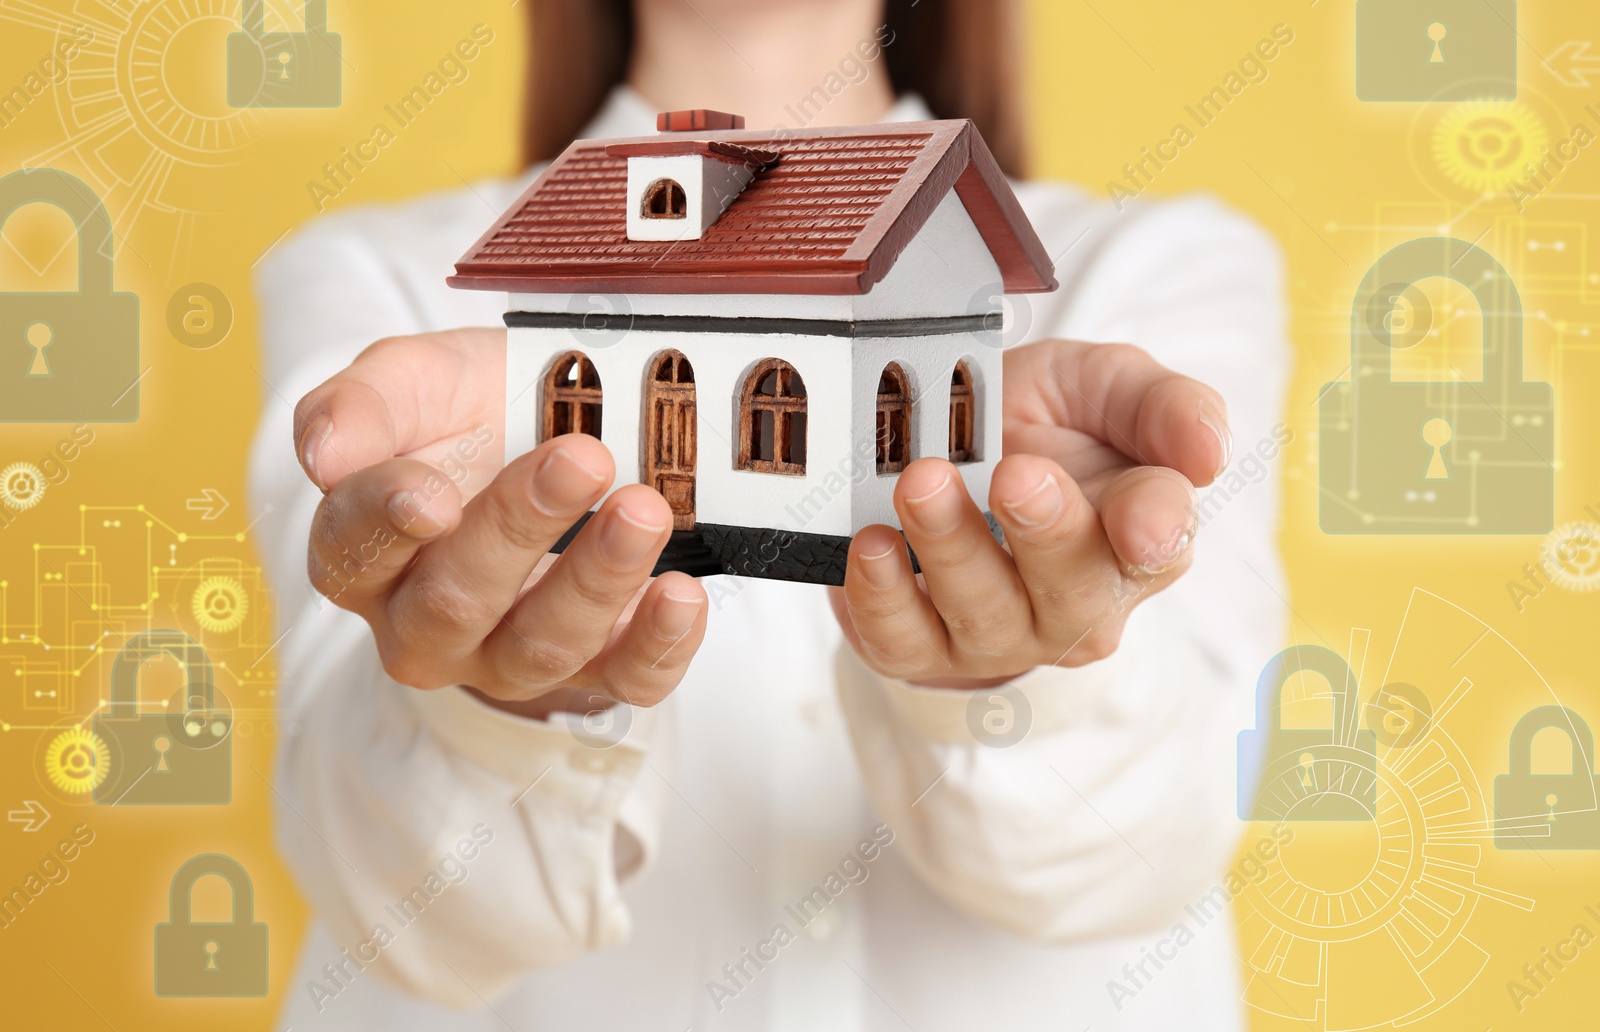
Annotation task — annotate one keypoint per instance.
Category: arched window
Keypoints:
(772, 419)
(963, 409)
(572, 397)
(894, 419)
(664, 199)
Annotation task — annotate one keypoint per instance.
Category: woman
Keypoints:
(812, 816)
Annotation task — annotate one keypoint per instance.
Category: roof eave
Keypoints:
(984, 190)
(834, 282)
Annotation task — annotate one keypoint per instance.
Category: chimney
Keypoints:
(678, 184)
(697, 120)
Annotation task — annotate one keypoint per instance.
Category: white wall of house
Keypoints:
(928, 362)
(841, 491)
(946, 270)
(721, 361)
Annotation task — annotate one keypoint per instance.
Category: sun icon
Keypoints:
(21, 486)
(77, 761)
(220, 604)
(1483, 145)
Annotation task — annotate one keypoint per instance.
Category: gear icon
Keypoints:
(77, 761)
(1483, 145)
(220, 604)
(21, 486)
(1571, 556)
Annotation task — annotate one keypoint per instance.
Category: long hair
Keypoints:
(962, 56)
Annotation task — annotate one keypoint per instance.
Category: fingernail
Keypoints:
(312, 439)
(1041, 506)
(626, 542)
(561, 483)
(675, 615)
(410, 515)
(1218, 424)
(1164, 557)
(939, 511)
(879, 569)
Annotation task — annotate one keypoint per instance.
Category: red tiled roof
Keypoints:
(830, 217)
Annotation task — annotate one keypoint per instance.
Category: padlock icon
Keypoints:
(1436, 49)
(1326, 774)
(211, 958)
(1448, 457)
(1548, 811)
(180, 757)
(284, 69)
(68, 357)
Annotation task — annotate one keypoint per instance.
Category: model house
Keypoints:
(766, 327)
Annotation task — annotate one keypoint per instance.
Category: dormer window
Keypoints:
(664, 199)
(681, 182)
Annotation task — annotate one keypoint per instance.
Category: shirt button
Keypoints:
(592, 761)
(814, 711)
(825, 924)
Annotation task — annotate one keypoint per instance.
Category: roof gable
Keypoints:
(830, 216)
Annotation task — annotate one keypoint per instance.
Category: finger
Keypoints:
(1057, 544)
(367, 530)
(565, 620)
(398, 395)
(1150, 519)
(889, 619)
(458, 589)
(650, 657)
(1120, 395)
(972, 580)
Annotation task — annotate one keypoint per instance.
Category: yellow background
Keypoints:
(112, 549)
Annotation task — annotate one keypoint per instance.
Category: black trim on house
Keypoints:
(713, 548)
(613, 322)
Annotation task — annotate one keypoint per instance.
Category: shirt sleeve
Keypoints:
(513, 834)
(1117, 805)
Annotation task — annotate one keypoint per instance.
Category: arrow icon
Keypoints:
(210, 504)
(32, 816)
(1572, 64)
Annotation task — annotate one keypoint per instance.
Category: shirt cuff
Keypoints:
(590, 764)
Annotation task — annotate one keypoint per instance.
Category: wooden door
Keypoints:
(669, 439)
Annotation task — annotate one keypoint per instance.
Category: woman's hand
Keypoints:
(444, 554)
(1103, 449)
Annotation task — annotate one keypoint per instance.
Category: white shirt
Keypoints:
(1019, 880)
